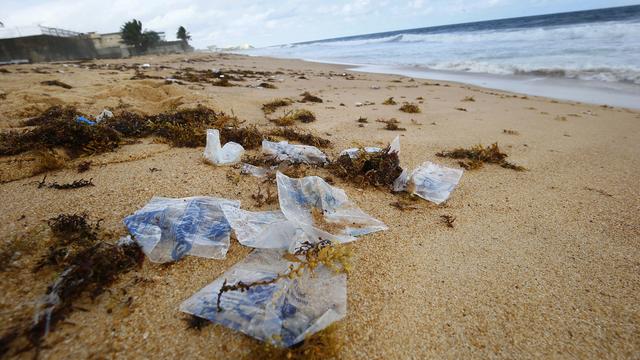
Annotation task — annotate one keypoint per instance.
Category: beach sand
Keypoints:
(543, 263)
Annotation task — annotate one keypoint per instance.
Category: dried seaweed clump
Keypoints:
(182, 128)
(307, 97)
(302, 115)
(75, 137)
(391, 124)
(410, 108)
(303, 138)
(378, 169)
(249, 137)
(188, 127)
(76, 184)
(87, 266)
(271, 106)
(389, 101)
(53, 113)
(479, 155)
(89, 272)
(57, 127)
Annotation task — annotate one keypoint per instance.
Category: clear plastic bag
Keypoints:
(230, 153)
(283, 151)
(256, 171)
(429, 181)
(282, 313)
(323, 211)
(353, 152)
(265, 229)
(168, 229)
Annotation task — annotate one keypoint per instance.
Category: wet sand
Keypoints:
(542, 263)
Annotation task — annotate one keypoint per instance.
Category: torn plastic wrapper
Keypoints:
(283, 151)
(429, 181)
(256, 171)
(265, 229)
(323, 211)
(282, 313)
(105, 114)
(83, 120)
(168, 229)
(230, 153)
(353, 152)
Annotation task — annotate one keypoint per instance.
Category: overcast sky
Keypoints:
(272, 22)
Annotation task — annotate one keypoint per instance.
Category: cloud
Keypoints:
(262, 22)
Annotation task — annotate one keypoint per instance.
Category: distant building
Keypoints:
(40, 43)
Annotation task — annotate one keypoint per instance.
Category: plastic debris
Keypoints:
(257, 171)
(323, 211)
(283, 151)
(105, 114)
(282, 312)
(264, 229)
(84, 120)
(429, 181)
(353, 152)
(168, 229)
(230, 153)
(145, 65)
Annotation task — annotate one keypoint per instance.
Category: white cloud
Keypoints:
(260, 22)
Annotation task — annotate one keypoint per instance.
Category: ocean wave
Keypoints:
(605, 51)
(593, 31)
(629, 74)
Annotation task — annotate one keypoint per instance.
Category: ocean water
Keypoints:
(597, 51)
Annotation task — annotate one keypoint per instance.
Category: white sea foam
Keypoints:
(605, 51)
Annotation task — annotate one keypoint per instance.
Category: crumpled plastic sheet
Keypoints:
(341, 219)
(283, 151)
(105, 114)
(256, 171)
(283, 313)
(353, 152)
(430, 181)
(168, 229)
(295, 224)
(230, 153)
(265, 229)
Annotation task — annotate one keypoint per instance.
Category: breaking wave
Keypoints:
(601, 51)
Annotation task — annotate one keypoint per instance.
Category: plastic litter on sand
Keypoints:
(430, 181)
(168, 229)
(282, 312)
(283, 151)
(230, 153)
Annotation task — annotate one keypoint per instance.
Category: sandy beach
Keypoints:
(542, 263)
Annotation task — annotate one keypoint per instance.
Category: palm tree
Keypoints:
(183, 35)
(133, 35)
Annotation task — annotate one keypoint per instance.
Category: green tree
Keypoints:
(133, 35)
(150, 39)
(183, 35)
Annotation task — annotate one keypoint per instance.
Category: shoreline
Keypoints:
(556, 88)
(539, 263)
